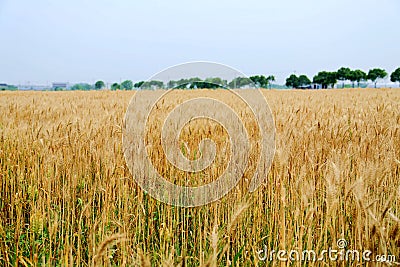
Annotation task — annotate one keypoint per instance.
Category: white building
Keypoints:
(62, 85)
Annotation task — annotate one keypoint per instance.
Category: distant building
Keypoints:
(316, 86)
(305, 87)
(8, 87)
(60, 85)
(3, 86)
(31, 87)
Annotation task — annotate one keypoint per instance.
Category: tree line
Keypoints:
(324, 79)
(190, 83)
(329, 79)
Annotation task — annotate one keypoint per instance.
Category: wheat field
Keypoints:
(68, 198)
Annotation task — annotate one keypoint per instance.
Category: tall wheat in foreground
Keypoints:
(68, 199)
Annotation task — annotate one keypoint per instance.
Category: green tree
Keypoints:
(115, 86)
(204, 85)
(196, 82)
(152, 84)
(357, 76)
(138, 84)
(298, 82)
(171, 84)
(217, 81)
(326, 78)
(157, 84)
(304, 81)
(260, 81)
(292, 81)
(240, 82)
(183, 83)
(99, 85)
(81, 86)
(376, 74)
(127, 85)
(395, 76)
(270, 79)
(344, 74)
(76, 87)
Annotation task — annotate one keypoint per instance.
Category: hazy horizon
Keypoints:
(83, 41)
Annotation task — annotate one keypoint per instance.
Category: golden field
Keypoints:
(68, 198)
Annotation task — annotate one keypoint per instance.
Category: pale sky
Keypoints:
(44, 41)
